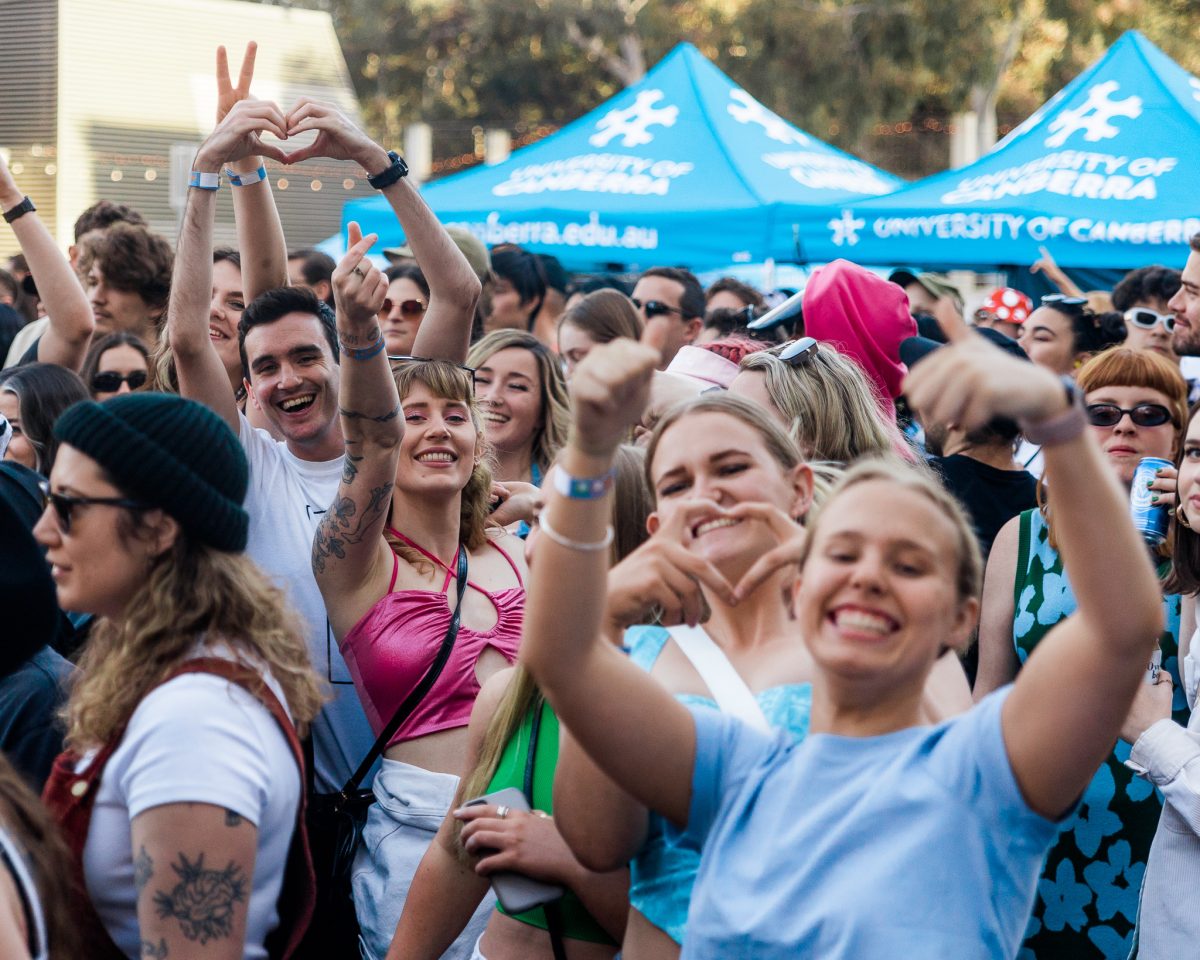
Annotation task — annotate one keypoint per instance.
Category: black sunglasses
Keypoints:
(64, 505)
(655, 308)
(1143, 415)
(1149, 319)
(1060, 301)
(799, 352)
(110, 381)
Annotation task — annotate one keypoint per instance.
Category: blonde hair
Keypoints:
(631, 506)
(551, 433)
(969, 573)
(192, 592)
(830, 404)
(451, 382)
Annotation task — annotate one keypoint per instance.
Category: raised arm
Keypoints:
(454, 289)
(260, 234)
(349, 545)
(1070, 699)
(202, 376)
(997, 655)
(69, 334)
(643, 739)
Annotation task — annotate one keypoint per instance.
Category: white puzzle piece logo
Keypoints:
(1195, 85)
(845, 228)
(631, 124)
(745, 109)
(1094, 117)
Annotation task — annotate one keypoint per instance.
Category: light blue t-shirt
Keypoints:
(914, 844)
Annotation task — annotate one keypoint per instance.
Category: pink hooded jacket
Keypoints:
(864, 317)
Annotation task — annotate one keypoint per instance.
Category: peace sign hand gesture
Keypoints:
(227, 93)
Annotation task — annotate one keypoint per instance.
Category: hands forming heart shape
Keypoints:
(242, 121)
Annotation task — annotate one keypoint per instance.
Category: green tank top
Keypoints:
(577, 923)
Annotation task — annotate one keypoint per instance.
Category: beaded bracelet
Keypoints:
(366, 353)
(594, 547)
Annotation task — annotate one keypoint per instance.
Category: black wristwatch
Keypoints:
(385, 178)
(22, 208)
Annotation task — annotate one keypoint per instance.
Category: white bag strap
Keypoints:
(723, 681)
(28, 892)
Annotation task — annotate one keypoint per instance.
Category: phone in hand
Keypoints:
(515, 891)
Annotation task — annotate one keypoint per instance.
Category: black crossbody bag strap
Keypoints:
(418, 693)
(554, 924)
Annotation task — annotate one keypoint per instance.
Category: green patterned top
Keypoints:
(1087, 898)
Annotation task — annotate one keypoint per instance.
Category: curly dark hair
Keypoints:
(1145, 284)
(134, 259)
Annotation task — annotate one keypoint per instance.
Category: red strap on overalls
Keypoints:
(70, 797)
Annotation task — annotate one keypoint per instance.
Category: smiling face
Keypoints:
(1126, 443)
(224, 313)
(508, 386)
(97, 567)
(294, 381)
(437, 454)
(878, 596)
(1049, 339)
(401, 323)
(718, 457)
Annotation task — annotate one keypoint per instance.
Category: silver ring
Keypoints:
(359, 271)
(501, 812)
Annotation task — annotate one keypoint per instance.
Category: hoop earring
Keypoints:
(1181, 517)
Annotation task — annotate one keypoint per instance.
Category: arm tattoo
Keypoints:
(342, 525)
(352, 341)
(350, 467)
(143, 869)
(152, 951)
(203, 900)
(382, 418)
(233, 819)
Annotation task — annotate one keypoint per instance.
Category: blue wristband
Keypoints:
(583, 488)
(204, 180)
(245, 179)
(366, 353)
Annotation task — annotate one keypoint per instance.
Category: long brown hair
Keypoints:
(192, 591)
(1185, 540)
(631, 506)
(29, 825)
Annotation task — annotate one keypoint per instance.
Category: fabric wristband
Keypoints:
(204, 180)
(366, 353)
(245, 179)
(584, 488)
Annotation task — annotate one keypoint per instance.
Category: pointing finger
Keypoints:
(223, 84)
(654, 334)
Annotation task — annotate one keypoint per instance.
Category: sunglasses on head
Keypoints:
(799, 352)
(110, 382)
(396, 360)
(1060, 301)
(64, 505)
(408, 308)
(1143, 415)
(1149, 319)
(655, 308)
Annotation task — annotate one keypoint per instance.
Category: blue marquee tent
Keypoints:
(683, 167)
(1103, 175)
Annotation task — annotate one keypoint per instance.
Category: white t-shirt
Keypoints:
(286, 500)
(195, 739)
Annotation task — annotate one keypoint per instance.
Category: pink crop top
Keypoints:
(389, 650)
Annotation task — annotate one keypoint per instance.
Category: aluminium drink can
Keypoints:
(1151, 519)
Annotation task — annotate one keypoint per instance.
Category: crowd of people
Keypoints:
(466, 608)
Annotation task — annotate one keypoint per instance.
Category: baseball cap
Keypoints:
(915, 349)
(1007, 305)
(934, 283)
(470, 245)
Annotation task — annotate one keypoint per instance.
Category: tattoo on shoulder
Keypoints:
(143, 868)
(154, 951)
(203, 899)
(343, 524)
(233, 819)
(381, 418)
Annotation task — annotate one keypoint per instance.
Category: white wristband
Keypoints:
(245, 179)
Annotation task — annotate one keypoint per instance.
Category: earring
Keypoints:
(1181, 517)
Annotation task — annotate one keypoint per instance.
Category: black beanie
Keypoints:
(171, 453)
